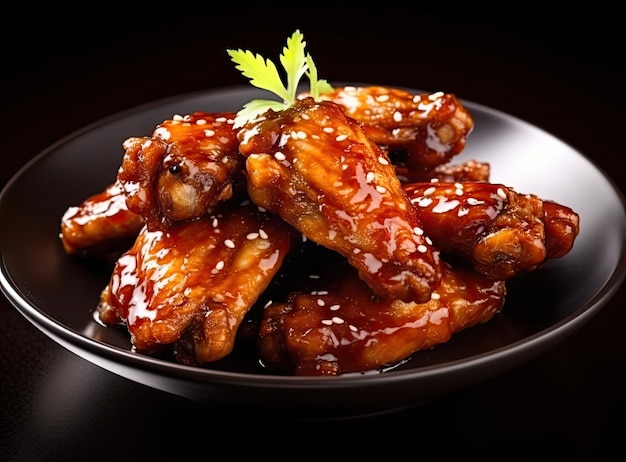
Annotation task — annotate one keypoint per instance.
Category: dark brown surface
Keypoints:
(546, 70)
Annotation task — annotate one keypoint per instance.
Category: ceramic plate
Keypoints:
(58, 293)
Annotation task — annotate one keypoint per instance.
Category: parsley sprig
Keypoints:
(264, 74)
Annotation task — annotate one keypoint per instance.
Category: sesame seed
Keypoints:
(422, 248)
(328, 129)
(419, 231)
(320, 302)
(383, 161)
(445, 206)
(422, 201)
(201, 122)
(435, 296)
(230, 244)
(353, 328)
(337, 320)
(370, 177)
(220, 265)
(215, 222)
(397, 116)
(279, 156)
(178, 117)
(501, 193)
(251, 236)
(327, 322)
(334, 307)
(221, 119)
(381, 189)
(263, 234)
(341, 137)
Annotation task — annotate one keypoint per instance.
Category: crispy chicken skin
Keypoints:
(188, 166)
(337, 325)
(501, 232)
(195, 282)
(420, 131)
(101, 224)
(316, 168)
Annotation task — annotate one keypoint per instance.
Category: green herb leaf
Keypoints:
(264, 74)
(318, 87)
(254, 109)
(294, 62)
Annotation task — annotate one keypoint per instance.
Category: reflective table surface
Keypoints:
(568, 401)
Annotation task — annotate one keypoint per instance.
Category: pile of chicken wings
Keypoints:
(351, 204)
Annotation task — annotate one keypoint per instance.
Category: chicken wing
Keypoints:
(471, 170)
(562, 225)
(420, 131)
(101, 224)
(192, 285)
(337, 325)
(188, 166)
(503, 233)
(316, 168)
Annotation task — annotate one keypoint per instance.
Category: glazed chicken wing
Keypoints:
(337, 325)
(471, 170)
(316, 168)
(100, 224)
(192, 285)
(420, 131)
(188, 166)
(503, 233)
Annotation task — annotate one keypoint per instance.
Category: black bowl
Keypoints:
(59, 293)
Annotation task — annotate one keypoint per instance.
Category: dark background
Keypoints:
(559, 70)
